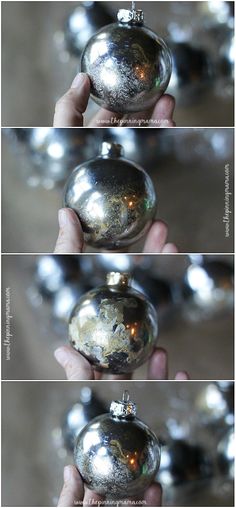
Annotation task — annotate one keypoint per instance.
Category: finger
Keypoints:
(153, 495)
(70, 238)
(120, 377)
(92, 499)
(73, 491)
(105, 118)
(71, 106)
(182, 375)
(170, 248)
(158, 365)
(164, 110)
(156, 237)
(76, 367)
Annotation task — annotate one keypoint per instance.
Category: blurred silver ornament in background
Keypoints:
(208, 289)
(80, 414)
(54, 271)
(215, 405)
(55, 152)
(226, 454)
(183, 464)
(83, 22)
(129, 66)
(192, 73)
(113, 197)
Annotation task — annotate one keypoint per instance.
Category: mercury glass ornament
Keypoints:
(192, 73)
(84, 22)
(208, 289)
(215, 403)
(226, 454)
(117, 454)
(79, 415)
(113, 197)
(55, 151)
(53, 271)
(114, 326)
(183, 463)
(128, 64)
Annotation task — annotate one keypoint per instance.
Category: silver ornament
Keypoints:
(226, 454)
(55, 151)
(83, 23)
(117, 454)
(128, 64)
(79, 415)
(114, 326)
(113, 197)
(52, 272)
(192, 73)
(215, 404)
(208, 289)
(183, 463)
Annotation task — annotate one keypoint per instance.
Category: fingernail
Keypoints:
(79, 80)
(67, 473)
(60, 356)
(62, 218)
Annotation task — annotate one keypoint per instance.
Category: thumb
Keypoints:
(73, 489)
(71, 106)
(70, 239)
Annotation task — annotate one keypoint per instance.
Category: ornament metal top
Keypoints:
(113, 197)
(114, 326)
(129, 66)
(116, 453)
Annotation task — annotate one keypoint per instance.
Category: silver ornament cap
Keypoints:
(113, 150)
(122, 279)
(131, 16)
(124, 408)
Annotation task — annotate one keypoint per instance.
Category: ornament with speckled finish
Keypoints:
(129, 66)
(113, 197)
(117, 454)
(114, 326)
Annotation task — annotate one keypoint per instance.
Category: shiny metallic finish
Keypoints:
(79, 415)
(84, 22)
(226, 454)
(117, 457)
(52, 272)
(192, 73)
(129, 65)
(114, 327)
(216, 403)
(55, 151)
(113, 197)
(183, 463)
(208, 288)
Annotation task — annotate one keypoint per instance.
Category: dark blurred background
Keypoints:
(193, 420)
(193, 296)
(188, 168)
(42, 43)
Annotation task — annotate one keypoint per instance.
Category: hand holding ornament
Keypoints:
(71, 239)
(71, 107)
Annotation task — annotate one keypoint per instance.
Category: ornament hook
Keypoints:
(125, 397)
